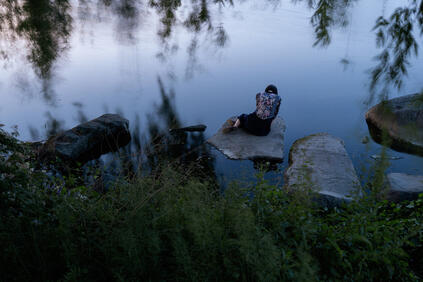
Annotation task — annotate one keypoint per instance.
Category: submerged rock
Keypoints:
(321, 163)
(402, 187)
(88, 140)
(402, 121)
(241, 145)
(379, 157)
(365, 140)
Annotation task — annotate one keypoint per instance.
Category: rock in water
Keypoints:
(378, 157)
(320, 162)
(88, 140)
(240, 145)
(192, 128)
(402, 187)
(402, 120)
(365, 140)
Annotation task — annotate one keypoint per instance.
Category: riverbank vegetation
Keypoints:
(173, 225)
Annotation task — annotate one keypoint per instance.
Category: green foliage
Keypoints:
(396, 36)
(368, 239)
(157, 228)
(173, 226)
(326, 15)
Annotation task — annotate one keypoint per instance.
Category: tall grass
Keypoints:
(172, 226)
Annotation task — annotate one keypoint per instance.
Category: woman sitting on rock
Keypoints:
(259, 122)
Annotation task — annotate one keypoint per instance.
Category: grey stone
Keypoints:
(402, 121)
(240, 145)
(404, 187)
(365, 140)
(88, 140)
(320, 162)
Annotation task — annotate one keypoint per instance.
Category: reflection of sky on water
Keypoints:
(265, 46)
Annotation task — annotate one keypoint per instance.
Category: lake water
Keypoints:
(113, 58)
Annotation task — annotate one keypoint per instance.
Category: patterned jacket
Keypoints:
(267, 105)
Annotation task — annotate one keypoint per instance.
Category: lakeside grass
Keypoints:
(174, 226)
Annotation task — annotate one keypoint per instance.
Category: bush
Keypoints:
(173, 226)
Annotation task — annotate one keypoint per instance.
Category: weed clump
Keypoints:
(174, 226)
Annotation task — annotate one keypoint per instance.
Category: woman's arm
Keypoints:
(257, 100)
(277, 107)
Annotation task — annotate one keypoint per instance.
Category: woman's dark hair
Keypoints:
(271, 89)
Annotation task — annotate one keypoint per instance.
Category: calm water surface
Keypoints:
(114, 60)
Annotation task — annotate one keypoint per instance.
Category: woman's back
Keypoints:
(267, 105)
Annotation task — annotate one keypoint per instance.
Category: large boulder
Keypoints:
(320, 162)
(88, 140)
(401, 119)
(240, 145)
(404, 187)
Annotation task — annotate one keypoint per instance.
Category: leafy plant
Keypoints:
(174, 226)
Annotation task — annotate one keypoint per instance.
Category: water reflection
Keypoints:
(126, 13)
(181, 147)
(129, 19)
(45, 27)
(52, 126)
(396, 36)
(198, 22)
(129, 13)
(152, 147)
(156, 147)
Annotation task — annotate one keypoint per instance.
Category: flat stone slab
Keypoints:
(321, 163)
(241, 145)
(401, 119)
(404, 187)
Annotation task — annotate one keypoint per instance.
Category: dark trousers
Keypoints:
(255, 125)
